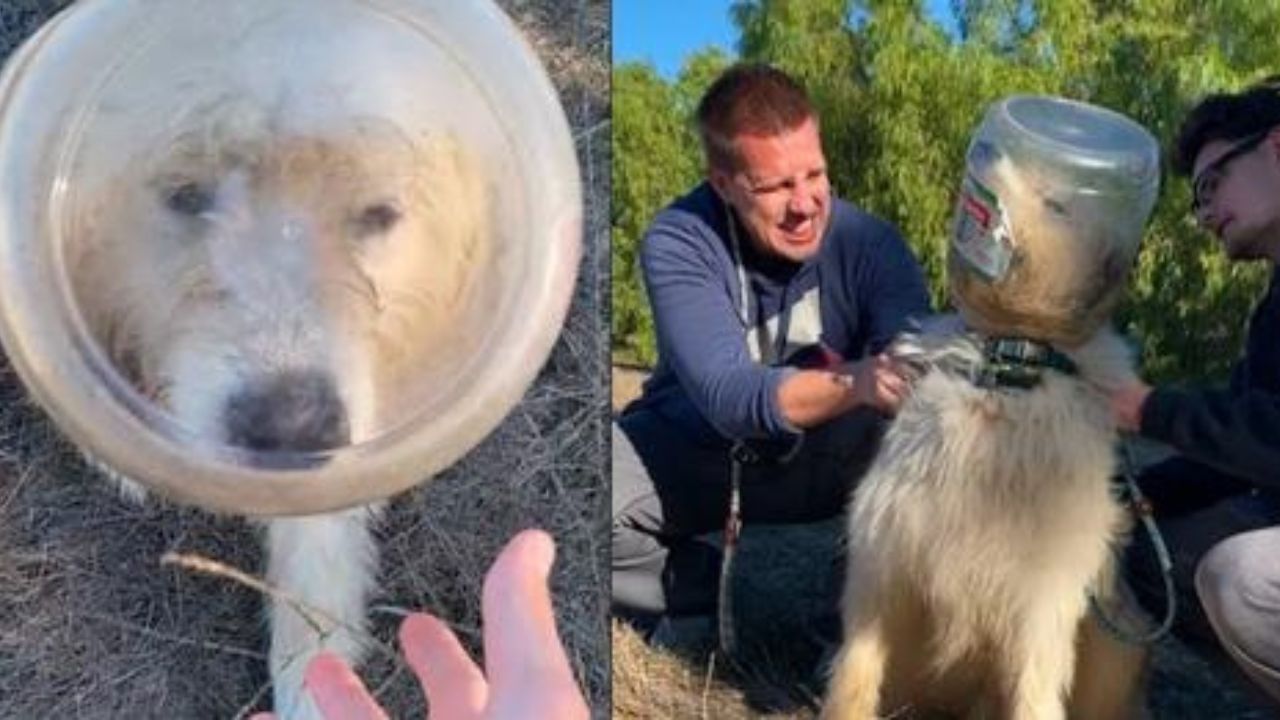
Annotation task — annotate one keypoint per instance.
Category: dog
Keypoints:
(986, 521)
(275, 289)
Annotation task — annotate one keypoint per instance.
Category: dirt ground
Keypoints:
(92, 627)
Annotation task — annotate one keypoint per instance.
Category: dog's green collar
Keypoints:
(1019, 363)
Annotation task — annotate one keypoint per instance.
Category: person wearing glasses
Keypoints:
(772, 301)
(1218, 501)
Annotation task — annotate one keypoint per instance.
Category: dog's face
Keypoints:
(1069, 267)
(271, 289)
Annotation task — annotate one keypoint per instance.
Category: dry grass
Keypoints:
(784, 585)
(784, 590)
(780, 591)
(663, 685)
(91, 625)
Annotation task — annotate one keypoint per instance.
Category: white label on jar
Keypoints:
(982, 235)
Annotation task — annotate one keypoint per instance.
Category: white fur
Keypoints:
(975, 537)
(329, 563)
(275, 275)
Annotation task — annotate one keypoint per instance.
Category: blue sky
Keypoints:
(665, 31)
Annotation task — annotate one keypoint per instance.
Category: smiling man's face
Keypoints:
(780, 190)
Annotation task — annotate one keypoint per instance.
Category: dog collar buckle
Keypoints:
(1019, 363)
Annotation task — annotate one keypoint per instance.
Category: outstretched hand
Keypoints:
(526, 674)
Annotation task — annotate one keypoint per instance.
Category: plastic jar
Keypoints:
(1049, 218)
(82, 102)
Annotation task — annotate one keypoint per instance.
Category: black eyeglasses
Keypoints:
(1204, 185)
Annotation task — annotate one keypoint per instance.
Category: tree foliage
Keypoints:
(655, 159)
(899, 97)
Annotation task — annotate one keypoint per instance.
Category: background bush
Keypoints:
(899, 97)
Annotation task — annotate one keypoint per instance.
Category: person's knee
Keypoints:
(637, 558)
(630, 480)
(1238, 583)
(633, 533)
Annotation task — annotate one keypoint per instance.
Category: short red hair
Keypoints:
(748, 99)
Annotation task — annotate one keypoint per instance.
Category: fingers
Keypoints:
(454, 686)
(528, 673)
(1126, 405)
(891, 391)
(524, 656)
(518, 618)
(882, 382)
(337, 692)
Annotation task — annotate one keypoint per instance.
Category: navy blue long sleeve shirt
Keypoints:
(1236, 430)
(867, 284)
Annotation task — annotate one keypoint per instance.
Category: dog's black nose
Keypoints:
(290, 412)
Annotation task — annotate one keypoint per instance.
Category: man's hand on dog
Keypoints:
(1126, 405)
(880, 382)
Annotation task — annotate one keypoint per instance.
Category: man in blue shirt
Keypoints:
(771, 301)
(1218, 500)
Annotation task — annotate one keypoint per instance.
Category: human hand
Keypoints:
(880, 382)
(1126, 405)
(526, 675)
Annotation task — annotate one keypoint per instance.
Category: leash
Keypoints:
(1019, 363)
(726, 638)
(1142, 508)
(740, 454)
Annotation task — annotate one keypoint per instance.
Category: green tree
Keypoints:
(651, 161)
(656, 159)
(813, 42)
(899, 98)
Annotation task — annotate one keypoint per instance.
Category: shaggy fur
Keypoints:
(243, 256)
(986, 521)
(974, 538)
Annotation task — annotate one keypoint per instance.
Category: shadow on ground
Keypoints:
(784, 589)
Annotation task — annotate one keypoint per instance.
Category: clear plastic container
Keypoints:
(109, 94)
(1049, 218)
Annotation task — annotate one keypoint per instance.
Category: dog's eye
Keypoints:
(191, 199)
(376, 219)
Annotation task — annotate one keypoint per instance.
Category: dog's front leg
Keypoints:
(854, 690)
(328, 564)
(1110, 673)
(1041, 662)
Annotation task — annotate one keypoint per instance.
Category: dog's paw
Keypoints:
(294, 645)
(289, 662)
(130, 490)
(293, 702)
